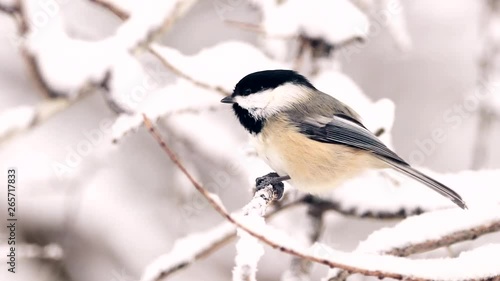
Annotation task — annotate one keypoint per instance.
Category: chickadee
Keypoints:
(311, 138)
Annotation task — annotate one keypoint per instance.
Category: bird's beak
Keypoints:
(227, 99)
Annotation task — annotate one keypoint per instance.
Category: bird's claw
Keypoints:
(271, 179)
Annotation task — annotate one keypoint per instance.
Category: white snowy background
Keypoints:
(98, 199)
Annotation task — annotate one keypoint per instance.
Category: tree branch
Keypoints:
(401, 241)
(213, 239)
(181, 9)
(378, 264)
(181, 74)
(300, 269)
(9, 9)
(447, 240)
(332, 205)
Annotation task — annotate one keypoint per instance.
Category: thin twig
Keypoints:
(180, 73)
(332, 205)
(470, 232)
(300, 269)
(206, 249)
(122, 14)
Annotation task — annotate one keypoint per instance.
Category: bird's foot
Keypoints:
(275, 181)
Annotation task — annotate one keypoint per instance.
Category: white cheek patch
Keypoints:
(255, 101)
(269, 102)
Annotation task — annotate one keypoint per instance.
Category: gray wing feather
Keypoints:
(344, 131)
(340, 130)
(435, 185)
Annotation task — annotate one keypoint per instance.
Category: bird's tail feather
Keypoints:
(435, 185)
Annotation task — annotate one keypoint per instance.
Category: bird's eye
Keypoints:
(247, 92)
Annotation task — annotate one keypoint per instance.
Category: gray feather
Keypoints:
(328, 120)
(435, 185)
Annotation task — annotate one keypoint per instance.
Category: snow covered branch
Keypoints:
(188, 249)
(300, 269)
(23, 118)
(439, 229)
(34, 251)
(364, 263)
(403, 240)
(248, 249)
(156, 50)
(199, 245)
(123, 12)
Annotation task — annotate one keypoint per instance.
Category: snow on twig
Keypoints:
(248, 248)
(239, 59)
(199, 245)
(300, 269)
(427, 232)
(165, 102)
(335, 21)
(442, 228)
(366, 264)
(34, 251)
(187, 250)
(22, 118)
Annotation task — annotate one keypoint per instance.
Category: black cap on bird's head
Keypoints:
(266, 80)
(262, 94)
